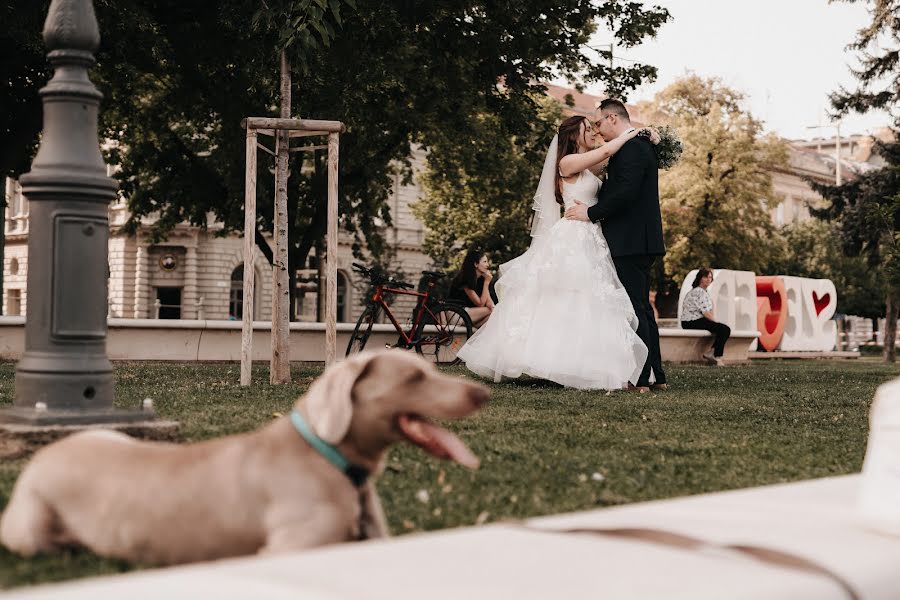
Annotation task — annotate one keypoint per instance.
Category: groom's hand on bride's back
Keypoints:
(578, 212)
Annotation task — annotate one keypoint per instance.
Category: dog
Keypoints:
(276, 489)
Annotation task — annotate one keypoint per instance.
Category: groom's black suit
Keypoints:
(628, 208)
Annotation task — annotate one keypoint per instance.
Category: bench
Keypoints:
(687, 345)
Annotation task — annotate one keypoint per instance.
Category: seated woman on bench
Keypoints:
(697, 313)
(472, 287)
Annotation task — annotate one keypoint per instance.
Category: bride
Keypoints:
(563, 315)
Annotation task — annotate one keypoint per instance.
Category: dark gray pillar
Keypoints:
(64, 375)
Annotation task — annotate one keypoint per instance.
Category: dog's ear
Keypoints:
(329, 401)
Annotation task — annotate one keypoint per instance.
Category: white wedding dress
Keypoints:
(563, 315)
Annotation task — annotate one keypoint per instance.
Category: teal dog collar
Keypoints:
(355, 473)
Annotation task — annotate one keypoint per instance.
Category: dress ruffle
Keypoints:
(563, 315)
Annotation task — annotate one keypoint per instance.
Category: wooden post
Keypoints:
(283, 128)
(280, 367)
(331, 252)
(249, 247)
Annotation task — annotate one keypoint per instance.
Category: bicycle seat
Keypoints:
(434, 274)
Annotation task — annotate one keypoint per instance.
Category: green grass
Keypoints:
(541, 444)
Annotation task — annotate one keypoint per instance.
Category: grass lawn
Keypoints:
(544, 449)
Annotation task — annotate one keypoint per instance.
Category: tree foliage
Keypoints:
(813, 248)
(179, 77)
(484, 167)
(878, 74)
(716, 200)
(866, 214)
(866, 210)
(480, 196)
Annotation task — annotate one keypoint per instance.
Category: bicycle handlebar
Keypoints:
(379, 279)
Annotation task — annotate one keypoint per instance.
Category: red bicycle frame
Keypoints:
(421, 308)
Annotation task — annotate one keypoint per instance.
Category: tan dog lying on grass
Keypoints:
(266, 491)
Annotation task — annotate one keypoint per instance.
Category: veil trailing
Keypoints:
(546, 214)
(546, 209)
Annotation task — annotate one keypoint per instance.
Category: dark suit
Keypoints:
(628, 208)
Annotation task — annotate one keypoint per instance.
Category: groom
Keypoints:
(628, 207)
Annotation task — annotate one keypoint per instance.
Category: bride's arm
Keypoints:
(572, 164)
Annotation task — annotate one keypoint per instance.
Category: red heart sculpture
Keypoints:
(821, 303)
(771, 311)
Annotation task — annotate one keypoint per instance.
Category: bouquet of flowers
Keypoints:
(669, 148)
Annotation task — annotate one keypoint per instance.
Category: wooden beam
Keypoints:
(294, 133)
(331, 250)
(294, 124)
(262, 147)
(308, 148)
(249, 247)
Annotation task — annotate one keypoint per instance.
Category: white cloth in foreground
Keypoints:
(563, 315)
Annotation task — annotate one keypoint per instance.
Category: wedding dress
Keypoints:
(563, 315)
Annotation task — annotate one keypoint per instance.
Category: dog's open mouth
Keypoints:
(436, 440)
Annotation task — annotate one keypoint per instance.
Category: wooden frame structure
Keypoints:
(293, 128)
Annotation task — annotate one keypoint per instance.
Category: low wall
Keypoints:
(208, 340)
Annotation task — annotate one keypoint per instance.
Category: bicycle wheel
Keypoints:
(362, 331)
(439, 342)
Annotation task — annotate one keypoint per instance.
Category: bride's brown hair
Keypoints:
(567, 143)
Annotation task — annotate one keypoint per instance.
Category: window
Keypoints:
(236, 295)
(14, 303)
(341, 297)
(169, 302)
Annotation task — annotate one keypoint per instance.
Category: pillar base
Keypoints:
(64, 385)
(19, 415)
(18, 440)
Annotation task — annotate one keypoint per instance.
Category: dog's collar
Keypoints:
(354, 473)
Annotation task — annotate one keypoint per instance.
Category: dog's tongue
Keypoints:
(437, 441)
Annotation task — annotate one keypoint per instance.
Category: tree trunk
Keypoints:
(280, 367)
(890, 328)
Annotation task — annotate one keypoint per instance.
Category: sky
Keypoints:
(785, 55)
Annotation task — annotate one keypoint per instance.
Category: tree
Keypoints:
(878, 74)
(716, 200)
(398, 72)
(813, 248)
(867, 209)
(482, 172)
(480, 197)
(866, 212)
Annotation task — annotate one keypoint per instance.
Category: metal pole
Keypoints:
(9, 197)
(837, 155)
(64, 375)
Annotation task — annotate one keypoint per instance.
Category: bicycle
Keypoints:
(437, 329)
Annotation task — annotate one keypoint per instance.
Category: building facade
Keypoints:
(198, 274)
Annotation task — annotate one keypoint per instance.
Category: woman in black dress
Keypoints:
(471, 287)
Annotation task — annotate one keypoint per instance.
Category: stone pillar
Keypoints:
(189, 297)
(141, 280)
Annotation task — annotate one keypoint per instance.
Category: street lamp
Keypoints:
(837, 147)
(64, 376)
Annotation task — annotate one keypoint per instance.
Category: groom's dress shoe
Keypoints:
(708, 356)
(639, 389)
(659, 387)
